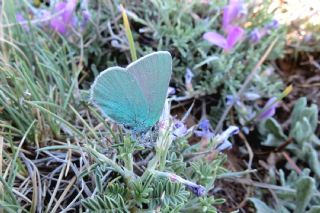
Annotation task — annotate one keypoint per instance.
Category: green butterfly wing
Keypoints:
(117, 95)
(134, 96)
(153, 73)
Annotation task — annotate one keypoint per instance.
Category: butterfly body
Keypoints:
(134, 96)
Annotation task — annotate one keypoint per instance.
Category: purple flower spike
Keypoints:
(216, 39)
(274, 24)
(232, 12)
(205, 129)
(235, 34)
(196, 189)
(86, 17)
(255, 36)
(269, 109)
(70, 8)
(61, 22)
(20, 19)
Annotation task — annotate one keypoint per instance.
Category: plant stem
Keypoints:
(129, 34)
(126, 174)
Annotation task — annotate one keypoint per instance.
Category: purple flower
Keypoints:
(230, 99)
(196, 189)
(86, 17)
(223, 142)
(21, 20)
(205, 129)
(274, 24)
(234, 35)
(179, 129)
(269, 109)
(171, 91)
(225, 145)
(65, 19)
(232, 130)
(231, 13)
(188, 79)
(188, 76)
(255, 36)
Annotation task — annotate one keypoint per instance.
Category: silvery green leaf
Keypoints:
(313, 160)
(286, 195)
(304, 189)
(296, 132)
(275, 128)
(261, 207)
(272, 141)
(311, 113)
(307, 128)
(315, 140)
(302, 131)
(297, 110)
(282, 178)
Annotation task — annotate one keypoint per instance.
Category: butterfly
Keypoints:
(134, 96)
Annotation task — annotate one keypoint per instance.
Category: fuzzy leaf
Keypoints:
(275, 128)
(304, 192)
(311, 113)
(298, 109)
(166, 193)
(106, 204)
(313, 160)
(261, 207)
(302, 131)
(272, 141)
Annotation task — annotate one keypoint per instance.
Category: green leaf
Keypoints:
(261, 207)
(275, 128)
(311, 113)
(302, 131)
(272, 140)
(312, 158)
(166, 193)
(103, 203)
(304, 189)
(298, 109)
